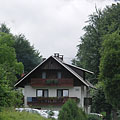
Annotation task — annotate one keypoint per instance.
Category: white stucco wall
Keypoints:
(79, 92)
(28, 92)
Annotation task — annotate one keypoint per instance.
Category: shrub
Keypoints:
(70, 111)
(94, 117)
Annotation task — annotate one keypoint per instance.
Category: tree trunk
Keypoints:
(115, 114)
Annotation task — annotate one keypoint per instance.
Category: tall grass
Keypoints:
(11, 114)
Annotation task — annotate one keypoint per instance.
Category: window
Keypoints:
(62, 93)
(29, 99)
(39, 93)
(65, 93)
(43, 75)
(59, 93)
(42, 93)
(59, 75)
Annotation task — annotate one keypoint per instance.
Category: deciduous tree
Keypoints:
(110, 68)
(8, 58)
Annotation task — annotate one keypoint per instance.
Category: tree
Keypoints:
(110, 68)
(88, 50)
(8, 58)
(8, 96)
(9, 68)
(100, 23)
(26, 53)
(70, 111)
(4, 28)
(89, 54)
(99, 102)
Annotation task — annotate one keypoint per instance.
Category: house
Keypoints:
(53, 82)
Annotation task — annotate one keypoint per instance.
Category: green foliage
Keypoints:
(8, 97)
(4, 28)
(26, 53)
(93, 117)
(10, 114)
(110, 68)
(88, 55)
(100, 23)
(99, 102)
(70, 111)
(8, 59)
(9, 68)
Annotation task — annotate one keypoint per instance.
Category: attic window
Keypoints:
(59, 75)
(43, 75)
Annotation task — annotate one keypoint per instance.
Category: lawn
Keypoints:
(13, 115)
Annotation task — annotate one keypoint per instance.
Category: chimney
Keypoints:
(61, 57)
(58, 56)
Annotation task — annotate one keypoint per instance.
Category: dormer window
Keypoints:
(59, 75)
(43, 75)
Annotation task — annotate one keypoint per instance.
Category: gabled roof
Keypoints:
(79, 68)
(65, 65)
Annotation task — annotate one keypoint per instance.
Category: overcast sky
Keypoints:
(50, 25)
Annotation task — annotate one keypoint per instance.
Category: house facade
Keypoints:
(53, 82)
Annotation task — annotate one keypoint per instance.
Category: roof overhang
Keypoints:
(61, 63)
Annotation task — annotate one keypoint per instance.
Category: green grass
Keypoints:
(10, 114)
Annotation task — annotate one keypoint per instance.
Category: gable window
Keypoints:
(59, 76)
(62, 93)
(42, 93)
(43, 75)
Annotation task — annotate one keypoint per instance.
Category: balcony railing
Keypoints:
(37, 82)
(48, 101)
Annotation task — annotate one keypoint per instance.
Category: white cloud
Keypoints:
(51, 25)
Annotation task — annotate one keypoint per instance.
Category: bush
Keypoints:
(94, 117)
(70, 111)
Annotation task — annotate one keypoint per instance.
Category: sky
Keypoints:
(52, 26)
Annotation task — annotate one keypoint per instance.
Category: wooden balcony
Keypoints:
(48, 101)
(37, 82)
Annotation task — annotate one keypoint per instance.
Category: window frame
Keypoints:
(43, 92)
(62, 92)
(59, 75)
(44, 75)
